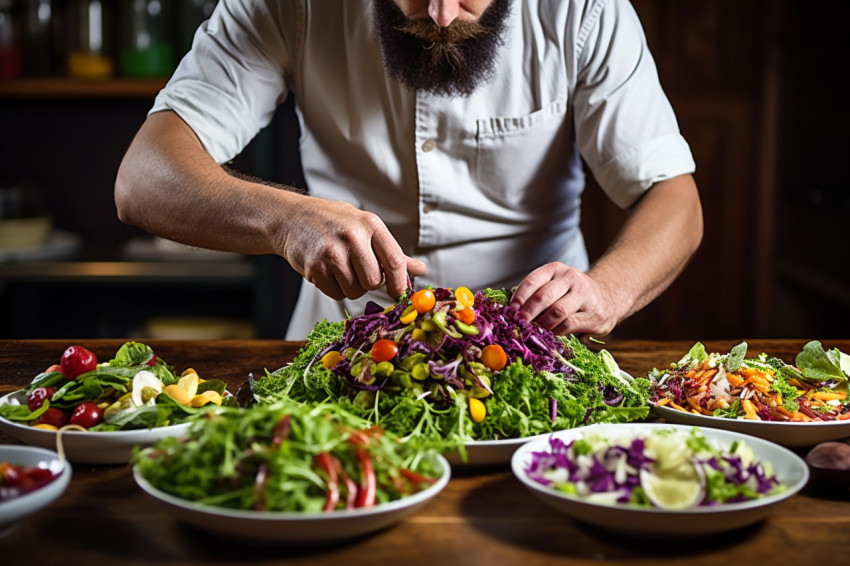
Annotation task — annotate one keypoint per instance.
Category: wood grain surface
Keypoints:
(483, 516)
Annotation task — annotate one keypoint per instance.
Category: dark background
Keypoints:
(757, 89)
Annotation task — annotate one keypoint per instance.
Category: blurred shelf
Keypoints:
(59, 87)
(208, 273)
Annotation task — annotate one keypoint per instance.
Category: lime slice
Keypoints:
(682, 491)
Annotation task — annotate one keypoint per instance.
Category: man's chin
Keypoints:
(455, 69)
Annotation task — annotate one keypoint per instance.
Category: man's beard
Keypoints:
(453, 60)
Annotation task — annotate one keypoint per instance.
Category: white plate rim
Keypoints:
(518, 468)
(294, 516)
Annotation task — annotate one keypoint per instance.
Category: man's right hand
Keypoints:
(344, 251)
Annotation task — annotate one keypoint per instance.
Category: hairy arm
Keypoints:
(658, 239)
(168, 185)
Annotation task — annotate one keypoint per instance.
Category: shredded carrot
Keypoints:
(695, 404)
(828, 396)
(734, 379)
(749, 409)
(843, 417)
(679, 407)
(663, 401)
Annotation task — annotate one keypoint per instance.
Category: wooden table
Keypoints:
(486, 517)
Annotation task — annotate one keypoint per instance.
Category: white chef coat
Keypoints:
(483, 188)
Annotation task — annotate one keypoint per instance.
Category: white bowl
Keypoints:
(489, 452)
(791, 434)
(14, 510)
(107, 447)
(291, 528)
(790, 470)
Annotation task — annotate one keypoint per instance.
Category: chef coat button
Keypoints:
(426, 208)
(428, 145)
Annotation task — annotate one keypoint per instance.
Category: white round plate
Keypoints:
(114, 447)
(790, 470)
(291, 528)
(14, 510)
(784, 433)
(489, 452)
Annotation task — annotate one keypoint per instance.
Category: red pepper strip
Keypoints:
(416, 478)
(350, 486)
(366, 495)
(281, 430)
(329, 465)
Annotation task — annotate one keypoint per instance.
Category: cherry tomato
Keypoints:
(54, 367)
(86, 415)
(38, 396)
(384, 350)
(152, 362)
(493, 356)
(464, 296)
(53, 417)
(423, 300)
(76, 361)
(466, 316)
(331, 359)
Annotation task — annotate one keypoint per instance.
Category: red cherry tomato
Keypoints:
(38, 396)
(384, 350)
(494, 357)
(76, 361)
(54, 367)
(53, 417)
(86, 415)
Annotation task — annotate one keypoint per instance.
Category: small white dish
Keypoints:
(790, 470)
(489, 452)
(14, 510)
(113, 447)
(290, 528)
(790, 434)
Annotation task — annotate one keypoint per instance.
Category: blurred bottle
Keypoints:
(11, 60)
(190, 15)
(40, 33)
(146, 38)
(90, 43)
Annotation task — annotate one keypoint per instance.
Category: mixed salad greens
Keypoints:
(665, 468)
(134, 390)
(452, 366)
(764, 388)
(287, 457)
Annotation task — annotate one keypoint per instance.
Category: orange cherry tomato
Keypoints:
(331, 359)
(494, 357)
(464, 296)
(466, 316)
(423, 300)
(384, 350)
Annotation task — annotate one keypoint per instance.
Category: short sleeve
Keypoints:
(235, 75)
(626, 129)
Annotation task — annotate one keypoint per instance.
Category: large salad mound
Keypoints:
(454, 367)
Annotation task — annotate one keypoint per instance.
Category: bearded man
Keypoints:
(441, 140)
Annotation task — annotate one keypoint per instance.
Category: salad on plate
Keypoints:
(664, 468)
(134, 390)
(733, 386)
(456, 367)
(287, 457)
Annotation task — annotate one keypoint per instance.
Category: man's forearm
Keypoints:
(654, 246)
(168, 185)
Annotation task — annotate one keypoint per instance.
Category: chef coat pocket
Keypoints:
(518, 157)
